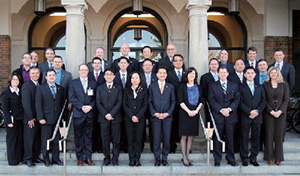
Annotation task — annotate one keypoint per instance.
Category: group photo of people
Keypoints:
(114, 102)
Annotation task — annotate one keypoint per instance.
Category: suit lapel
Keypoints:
(48, 89)
(62, 78)
(80, 85)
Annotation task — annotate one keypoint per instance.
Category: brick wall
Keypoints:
(272, 43)
(5, 64)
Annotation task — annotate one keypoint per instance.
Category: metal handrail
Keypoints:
(216, 129)
(67, 131)
(57, 126)
(203, 128)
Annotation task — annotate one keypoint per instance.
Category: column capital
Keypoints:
(74, 3)
(198, 4)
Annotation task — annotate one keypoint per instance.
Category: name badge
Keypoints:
(90, 92)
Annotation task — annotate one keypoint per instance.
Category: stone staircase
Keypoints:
(291, 165)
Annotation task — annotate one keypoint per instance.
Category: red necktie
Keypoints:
(97, 76)
(252, 64)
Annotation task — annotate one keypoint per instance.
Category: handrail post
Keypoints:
(209, 132)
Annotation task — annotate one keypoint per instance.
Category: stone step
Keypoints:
(175, 168)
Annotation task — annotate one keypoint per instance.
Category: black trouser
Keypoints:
(134, 132)
(32, 142)
(161, 128)
(46, 133)
(14, 143)
(112, 130)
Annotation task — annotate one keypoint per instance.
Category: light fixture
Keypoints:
(137, 34)
(144, 15)
(39, 7)
(137, 7)
(233, 7)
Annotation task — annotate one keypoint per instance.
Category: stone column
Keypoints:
(198, 36)
(75, 38)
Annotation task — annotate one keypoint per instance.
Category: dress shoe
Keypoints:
(138, 163)
(165, 163)
(270, 163)
(191, 164)
(115, 163)
(79, 163)
(244, 163)
(131, 163)
(38, 160)
(47, 163)
(232, 163)
(89, 162)
(184, 163)
(157, 163)
(254, 163)
(58, 162)
(217, 164)
(29, 164)
(106, 162)
(278, 163)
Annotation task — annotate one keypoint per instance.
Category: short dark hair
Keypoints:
(147, 47)
(222, 67)
(122, 57)
(50, 70)
(252, 48)
(96, 58)
(58, 56)
(262, 60)
(238, 60)
(49, 48)
(35, 52)
(11, 77)
(110, 70)
(139, 76)
(161, 67)
(177, 55)
(212, 60)
(223, 49)
(278, 49)
(147, 59)
(82, 65)
(34, 68)
(249, 68)
(26, 54)
(188, 71)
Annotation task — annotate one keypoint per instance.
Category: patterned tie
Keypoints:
(161, 88)
(179, 75)
(216, 77)
(51, 65)
(262, 79)
(251, 88)
(123, 80)
(109, 88)
(241, 77)
(97, 76)
(84, 85)
(148, 80)
(53, 91)
(278, 65)
(224, 87)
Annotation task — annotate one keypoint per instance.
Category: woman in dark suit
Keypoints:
(135, 103)
(190, 100)
(12, 109)
(277, 97)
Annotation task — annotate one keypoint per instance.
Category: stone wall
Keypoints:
(272, 43)
(5, 62)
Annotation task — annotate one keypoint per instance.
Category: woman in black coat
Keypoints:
(135, 103)
(13, 118)
(190, 100)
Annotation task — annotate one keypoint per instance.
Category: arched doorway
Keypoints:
(226, 31)
(137, 31)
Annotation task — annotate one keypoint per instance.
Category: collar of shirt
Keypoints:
(23, 69)
(223, 82)
(12, 90)
(35, 82)
(176, 71)
(49, 63)
(57, 71)
(33, 64)
(223, 63)
(109, 84)
(248, 82)
(213, 74)
(50, 85)
(280, 64)
(161, 84)
(121, 74)
(171, 59)
(237, 73)
(97, 72)
(148, 75)
(265, 73)
(254, 63)
(84, 79)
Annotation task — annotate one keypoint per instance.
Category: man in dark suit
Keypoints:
(82, 97)
(99, 52)
(48, 64)
(161, 105)
(287, 70)
(49, 101)
(167, 61)
(32, 133)
(252, 105)
(133, 63)
(252, 58)
(176, 77)
(96, 75)
(223, 57)
(238, 75)
(224, 97)
(34, 59)
(122, 76)
(109, 102)
(147, 54)
(23, 71)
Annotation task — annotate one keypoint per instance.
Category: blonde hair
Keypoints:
(279, 77)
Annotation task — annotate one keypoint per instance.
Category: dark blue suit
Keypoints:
(228, 65)
(154, 69)
(83, 122)
(161, 103)
(248, 103)
(248, 65)
(118, 80)
(218, 100)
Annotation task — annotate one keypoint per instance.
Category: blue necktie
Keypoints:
(123, 80)
(53, 91)
(251, 88)
(216, 77)
(179, 75)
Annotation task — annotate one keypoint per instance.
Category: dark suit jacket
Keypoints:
(165, 62)
(288, 73)
(205, 81)
(229, 67)
(65, 79)
(44, 67)
(276, 99)
(153, 79)
(109, 103)
(154, 69)
(135, 106)
(107, 64)
(182, 95)
(250, 102)
(161, 103)
(133, 65)
(248, 65)
(78, 98)
(11, 106)
(218, 100)
(233, 77)
(173, 79)
(118, 80)
(100, 80)
(47, 107)
(28, 101)
(19, 72)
